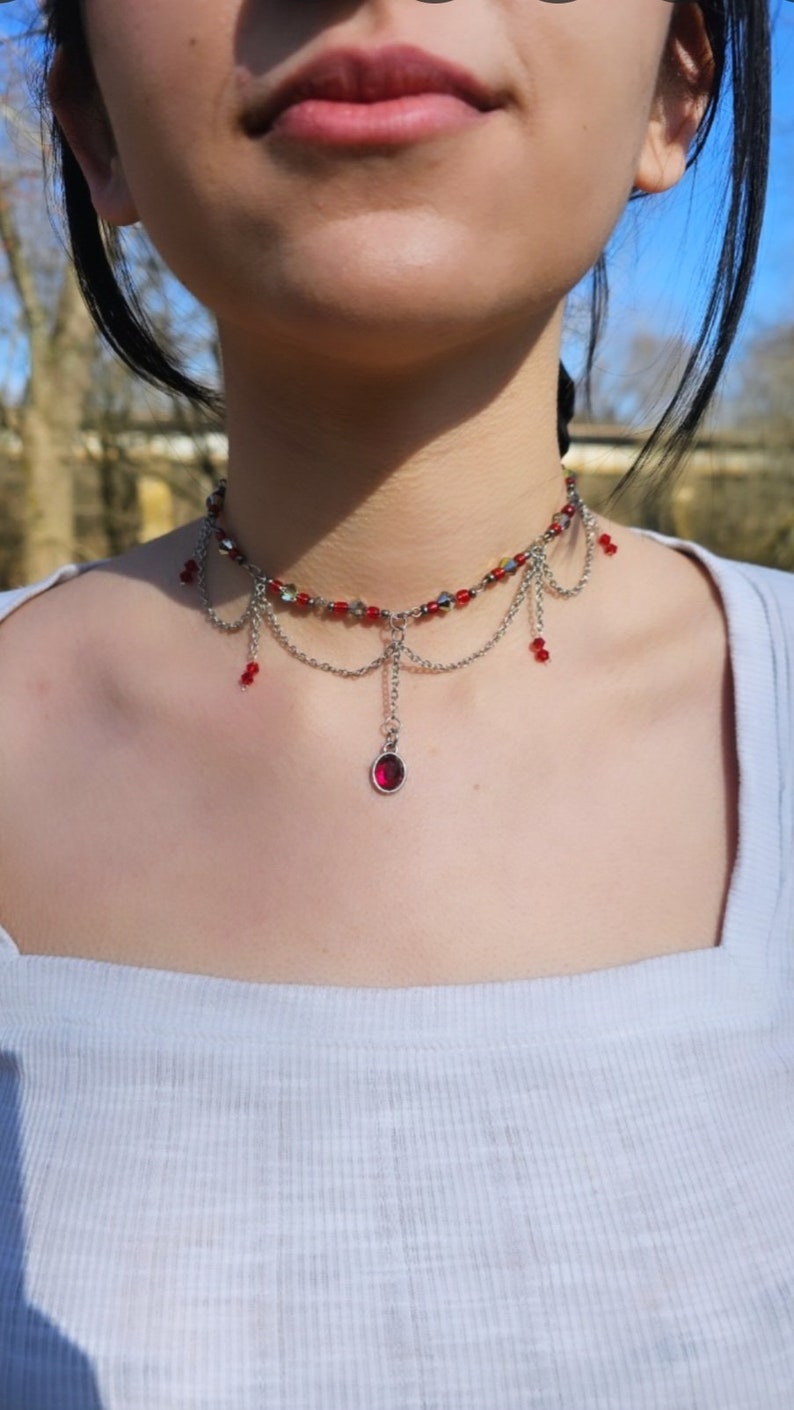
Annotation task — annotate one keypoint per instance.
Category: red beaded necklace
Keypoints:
(388, 771)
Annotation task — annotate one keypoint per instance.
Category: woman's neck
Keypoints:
(392, 488)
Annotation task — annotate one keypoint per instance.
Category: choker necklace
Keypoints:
(388, 772)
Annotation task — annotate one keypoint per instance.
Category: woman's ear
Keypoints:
(684, 84)
(78, 107)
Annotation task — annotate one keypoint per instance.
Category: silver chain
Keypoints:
(259, 605)
(537, 571)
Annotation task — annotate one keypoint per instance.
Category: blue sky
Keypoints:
(774, 296)
(656, 269)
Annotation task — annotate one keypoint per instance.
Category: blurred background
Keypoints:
(93, 462)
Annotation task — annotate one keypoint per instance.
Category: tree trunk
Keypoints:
(49, 496)
(50, 425)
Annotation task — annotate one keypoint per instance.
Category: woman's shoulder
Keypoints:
(92, 596)
(775, 583)
(41, 636)
(69, 636)
(745, 580)
(15, 597)
(773, 590)
(48, 644)
(758, 607)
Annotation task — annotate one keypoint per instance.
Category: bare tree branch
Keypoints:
(19, 268)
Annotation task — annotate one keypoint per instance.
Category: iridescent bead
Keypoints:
(445, 601)
(509, 564)
(358, 608)
(226, 545)
(289, 592)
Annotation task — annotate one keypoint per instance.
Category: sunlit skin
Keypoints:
(390, 323)
(391, 328)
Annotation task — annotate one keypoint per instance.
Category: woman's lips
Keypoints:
(390, 121)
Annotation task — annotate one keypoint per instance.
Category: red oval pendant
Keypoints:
(388, 772)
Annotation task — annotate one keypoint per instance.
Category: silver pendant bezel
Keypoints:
(386, 754)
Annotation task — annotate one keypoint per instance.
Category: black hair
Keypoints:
(738, 32)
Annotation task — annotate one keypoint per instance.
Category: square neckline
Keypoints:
(748, 913)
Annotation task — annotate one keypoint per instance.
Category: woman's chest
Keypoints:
(531, 857)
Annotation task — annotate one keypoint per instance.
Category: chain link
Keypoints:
(278, 631)
(537, 571)
(437, 666)
(201, 559)
(537, 567)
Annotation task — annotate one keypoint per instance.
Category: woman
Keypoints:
(404, 1037)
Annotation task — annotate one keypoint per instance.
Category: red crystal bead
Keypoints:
(542, 655)
(538, 643)
(611, 548)
(462, 597)
(499, 572)
(521, 558)
(569, 509)
(373, 612)
(605, 539)
(432, 607)
(303, 598)
(274, 587)
(388, 772)
(340, 608)
(556, 528)
(253, 668)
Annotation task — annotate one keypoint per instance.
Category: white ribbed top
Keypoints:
(568, 1193)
